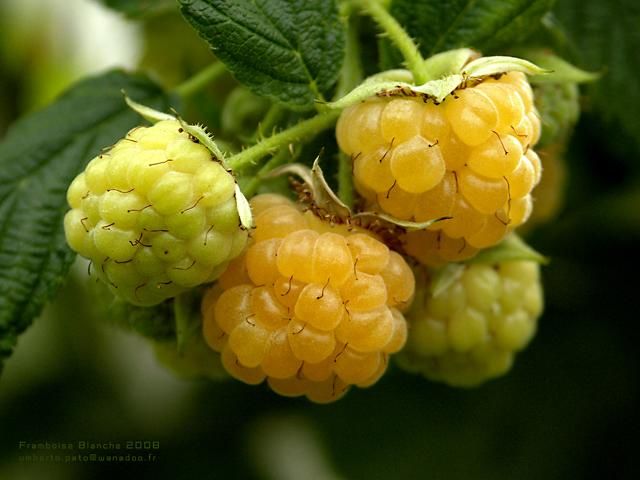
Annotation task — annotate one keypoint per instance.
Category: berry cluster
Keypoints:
(155, 214)
(309, 301)
(471, 330)
(313, 307)
(467, 160)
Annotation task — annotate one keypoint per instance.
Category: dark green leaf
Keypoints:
(607, 38)
(290, 50)
(486, 25)
(140, 8)
(39, 157)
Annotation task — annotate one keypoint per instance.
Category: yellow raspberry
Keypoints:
(470, 332)
(312, 307)
(468, 160)
(155, 214)
(436, 248)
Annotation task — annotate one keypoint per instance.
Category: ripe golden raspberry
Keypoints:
(435, 248)
(156, 215)
(311, 307)
(470, 331)
(468, 159)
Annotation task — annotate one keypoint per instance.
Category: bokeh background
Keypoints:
(568, 409)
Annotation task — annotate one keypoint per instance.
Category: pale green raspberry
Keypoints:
(155, 215)
(559, 108)
(470, 331)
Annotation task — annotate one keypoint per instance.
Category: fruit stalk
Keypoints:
(200, 80)
(304, 129)
(399, 36)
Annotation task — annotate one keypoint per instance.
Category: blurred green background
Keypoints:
(568, 409)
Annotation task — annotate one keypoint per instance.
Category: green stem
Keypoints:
(182, 319)
(398, 35)
(304, 129)
(345, 180)
(200, 80)
(269, 121)
(352, 72)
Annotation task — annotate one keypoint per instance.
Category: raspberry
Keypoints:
(155, 215)
(468, 160)
(549, 194)
(470, 331)
(435, 248)
(312, 307)
(559, 107)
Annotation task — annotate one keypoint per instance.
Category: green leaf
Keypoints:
(140, 8)
(606, 38)
(39, 157)
(291, 51)
(560, 71)
(399, 82)
(374, 85)
(485, 66)
(150, 114)
(448, 63)
(486, 25)
(510, 249)
(444, 277)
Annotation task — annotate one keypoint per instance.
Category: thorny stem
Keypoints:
(200, 80)
(398, 35)
(270, 120)
(305, 129)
